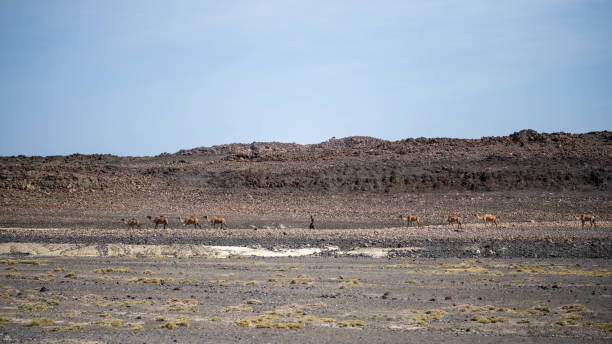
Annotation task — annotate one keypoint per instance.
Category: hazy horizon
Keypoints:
(140, 78)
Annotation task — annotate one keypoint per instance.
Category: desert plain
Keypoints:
(72, 271)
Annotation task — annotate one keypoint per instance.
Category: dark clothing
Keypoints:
(311, 223)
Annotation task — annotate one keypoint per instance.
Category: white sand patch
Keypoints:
(376, 252)
(182, 250)
(174, 250)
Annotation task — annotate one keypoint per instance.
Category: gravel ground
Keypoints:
(310, 299)
(529, 240)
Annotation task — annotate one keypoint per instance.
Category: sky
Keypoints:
(137, 78)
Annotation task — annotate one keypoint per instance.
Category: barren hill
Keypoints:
(523, 160)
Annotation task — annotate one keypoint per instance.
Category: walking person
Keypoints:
(311, 222)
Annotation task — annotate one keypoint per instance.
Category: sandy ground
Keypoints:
(154, 299)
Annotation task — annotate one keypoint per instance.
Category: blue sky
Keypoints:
(145, 77)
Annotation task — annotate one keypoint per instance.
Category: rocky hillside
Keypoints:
(523, 160)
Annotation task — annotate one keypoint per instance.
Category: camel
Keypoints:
(160, 220)
(190, 221)
(453, 219)
(131, 223)
(590, 218)
(487, 218)
(216, 220)
(410, 219)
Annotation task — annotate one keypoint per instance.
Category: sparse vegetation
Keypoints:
(574, 308)
(110, 270)
(488, 319)
(435, 314)
(421, 323)
(264, 322)
(602, 326)
(22, 261)
(177, 305)
(539, 309)
(37, 306)
(74, 327)
(568, 322)
(171, 325)
(351, 323)
(154, 280)
(39, 322)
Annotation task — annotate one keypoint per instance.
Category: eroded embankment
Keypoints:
(429, 241)
(192, 250)
(178, 250)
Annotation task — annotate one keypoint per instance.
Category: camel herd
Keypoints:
(488, 218)
(408, 220)
(451, 219)
(191, 220)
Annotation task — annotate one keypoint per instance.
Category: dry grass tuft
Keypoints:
(264, 322)
(74, 327)
(37, 306)
(351, 323)
(488, 320)
(39, 322)
(574, 308)
(153, 280)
